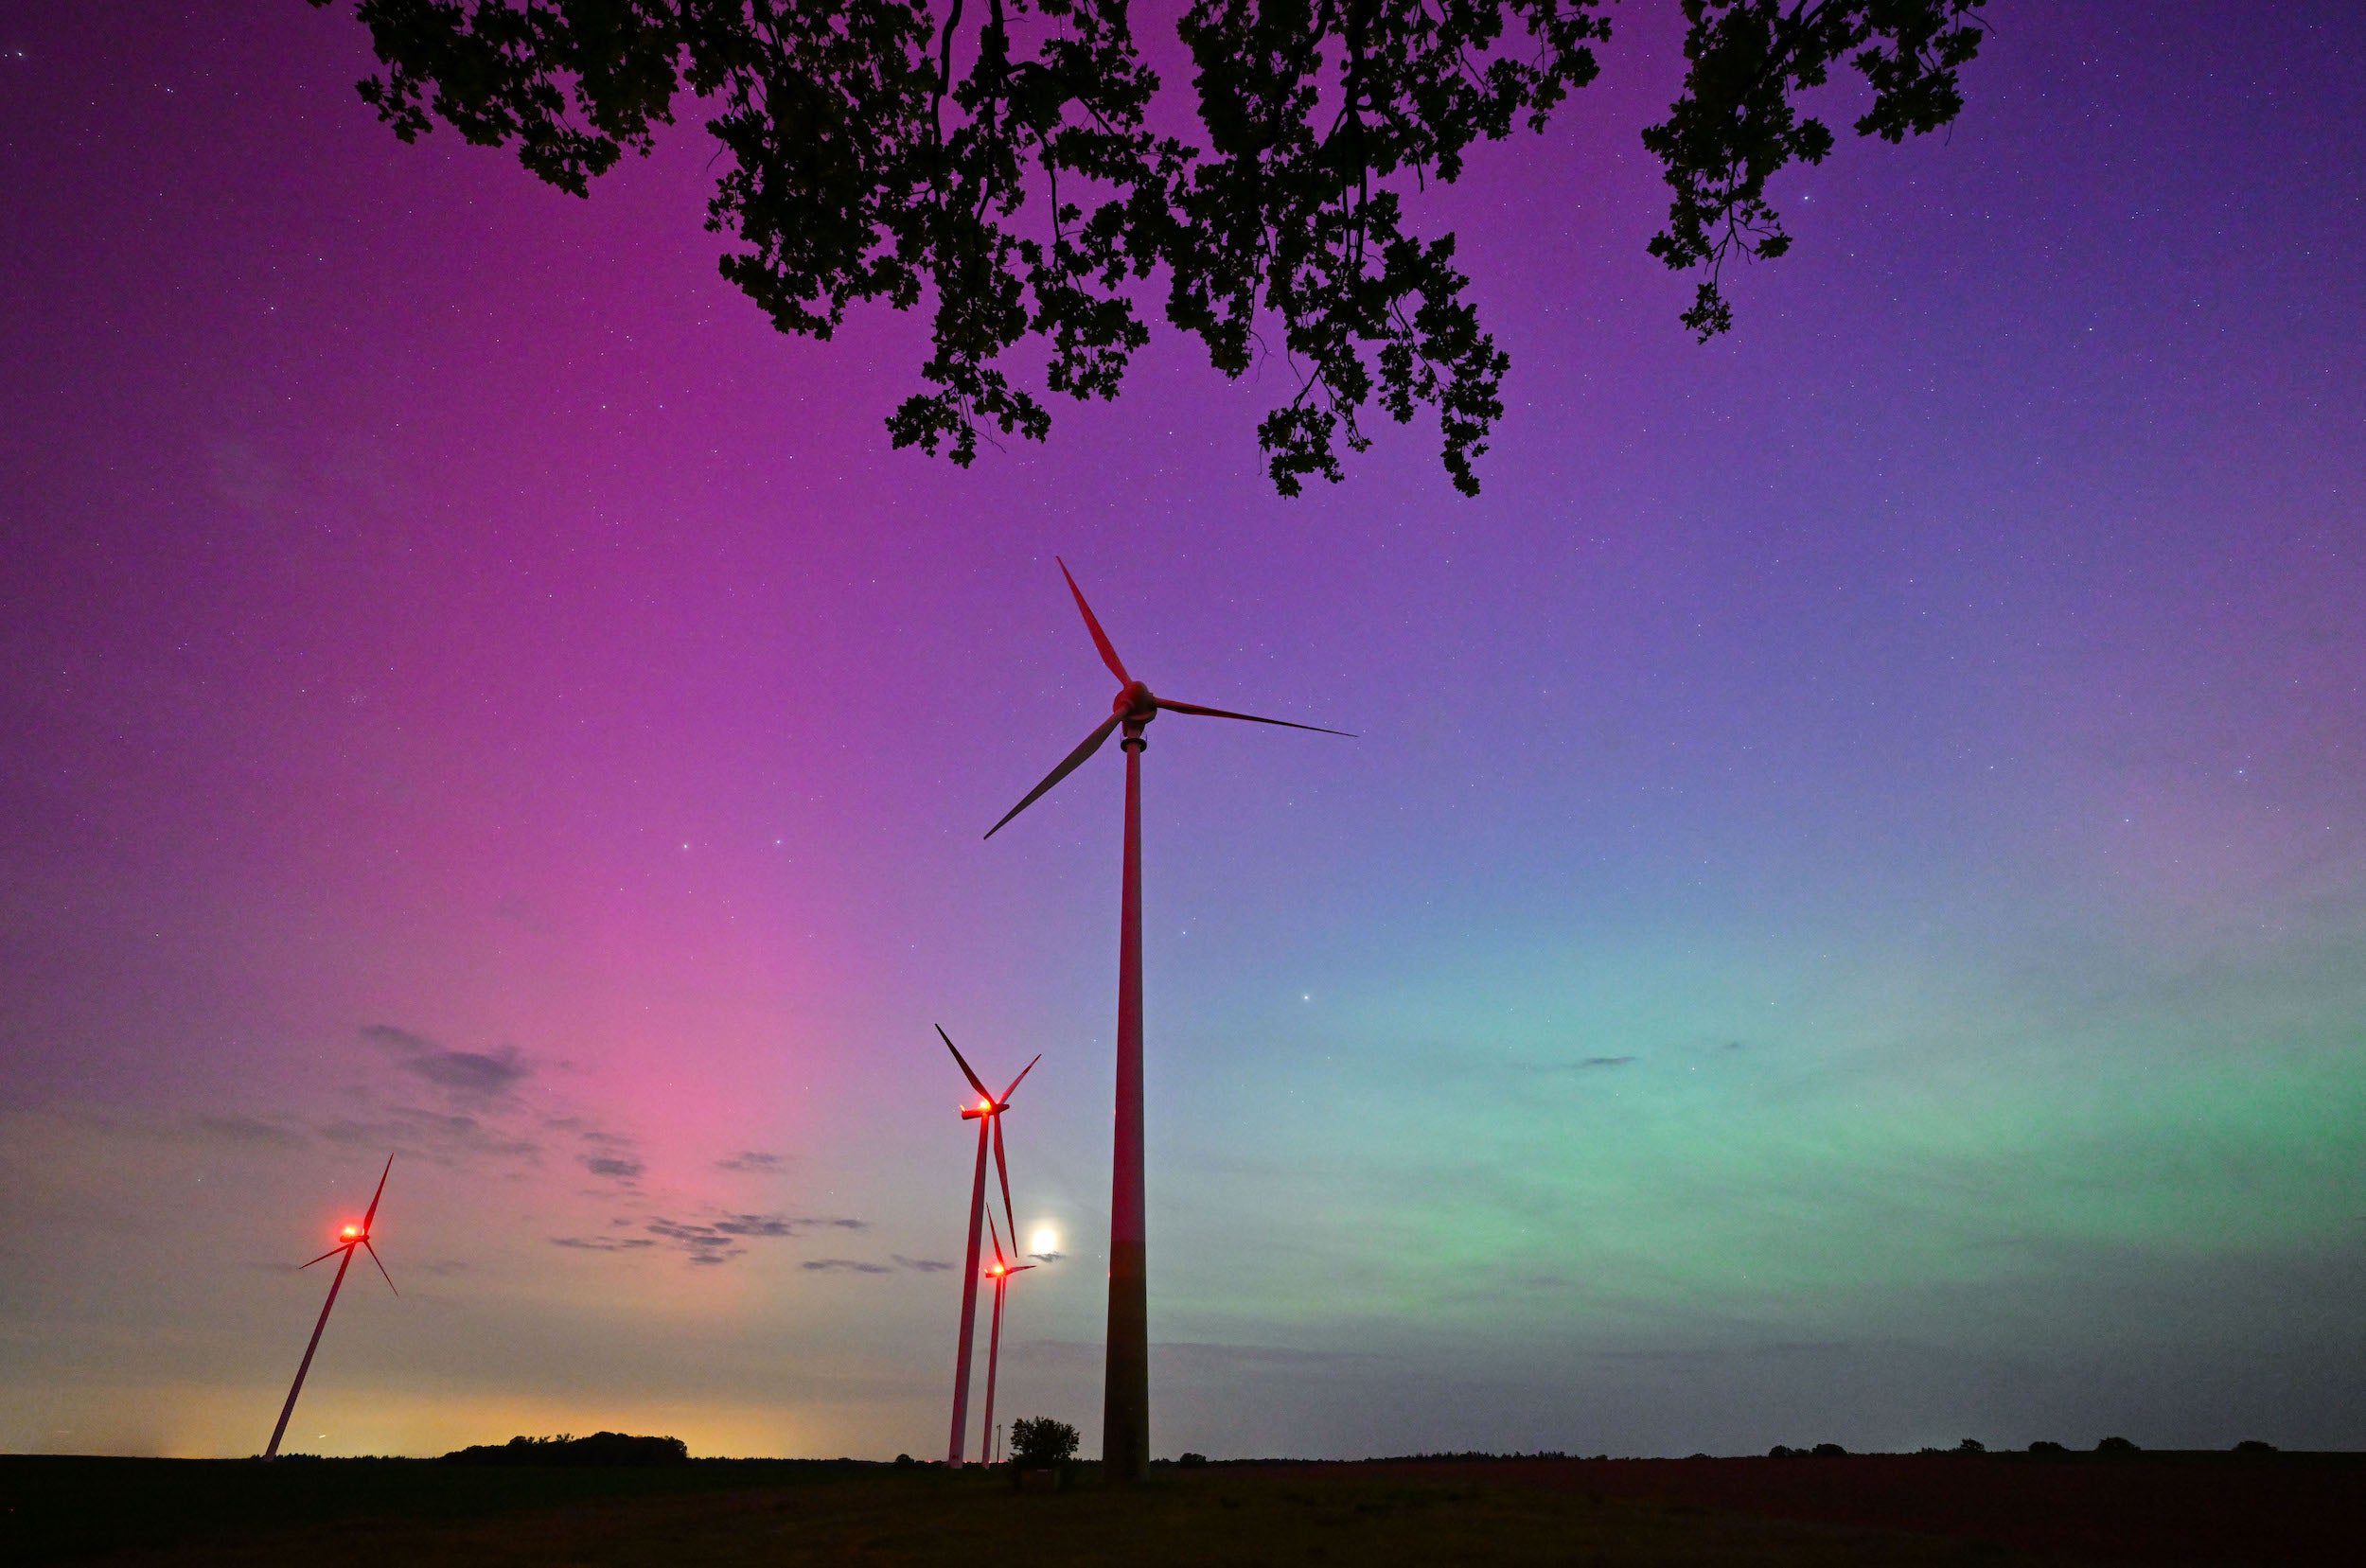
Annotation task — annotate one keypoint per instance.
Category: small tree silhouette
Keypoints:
(2047, 1445)
(1828, 1451)
(2116, 1445)
(1038, 1443)
(1971, 1445)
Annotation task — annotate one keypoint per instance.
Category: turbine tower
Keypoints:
(350, 1237)
(987, 1112)
(1125, 1390)
(999, 1271)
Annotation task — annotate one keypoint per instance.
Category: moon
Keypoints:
(1044, 1240)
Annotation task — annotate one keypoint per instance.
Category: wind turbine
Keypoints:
(987, 1112)
(349, 1238)
(1126, 1392)
(999, 1271)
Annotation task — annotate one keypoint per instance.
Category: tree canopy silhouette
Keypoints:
(1039, 1440)
(601, 1448)
(1000, 160)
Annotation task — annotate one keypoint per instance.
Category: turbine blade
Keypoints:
(1020, 1078)
(374, 1196)
(1068, 765)
(1219, 713)
(330, 1253)
(381, 1266)
(995, 1232)
(1023, 1268)
(1003, 1169)
(1100, 639)
(964, 1066)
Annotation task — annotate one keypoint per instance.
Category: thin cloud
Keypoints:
(725, 1237)
(615, 1166)
(841, 1265)
(784, 1225)
(603, 1243)
(1724, 1352)
(440, 1136)
(754, 1161)
(757, 1224)
(250, 1130)
(685, 1234)
(467, 1074)
(1188, 1353)
(703, 1244)
(1581, 1063)
(1047, 1257)
(920, 1265)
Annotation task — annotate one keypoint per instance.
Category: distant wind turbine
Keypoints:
(999, 1271)
(1126, 1396)
(987, 1112)
(349, 1238)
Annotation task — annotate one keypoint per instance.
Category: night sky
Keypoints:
(1843, 921)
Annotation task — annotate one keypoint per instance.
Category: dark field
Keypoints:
(1871, 1509)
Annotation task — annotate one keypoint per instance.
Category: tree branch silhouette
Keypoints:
(864, 164)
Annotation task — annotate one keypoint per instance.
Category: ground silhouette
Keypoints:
(1858, 1509)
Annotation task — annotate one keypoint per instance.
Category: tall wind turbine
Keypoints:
(1125, 1390)
(348, 1239)
(987, 1112)
(999, 1271)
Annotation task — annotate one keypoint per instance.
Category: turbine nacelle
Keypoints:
(984, 1107)
(352, 1233)
(1134, 703)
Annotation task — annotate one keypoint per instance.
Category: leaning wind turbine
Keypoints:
(987, 1112)
(1126, 1396)
(349, 1238)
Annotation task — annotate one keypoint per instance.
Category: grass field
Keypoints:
(1866, 1510)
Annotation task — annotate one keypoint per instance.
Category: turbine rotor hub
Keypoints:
(1134, 703)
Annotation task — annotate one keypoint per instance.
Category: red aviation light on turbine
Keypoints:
(350, 1233)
